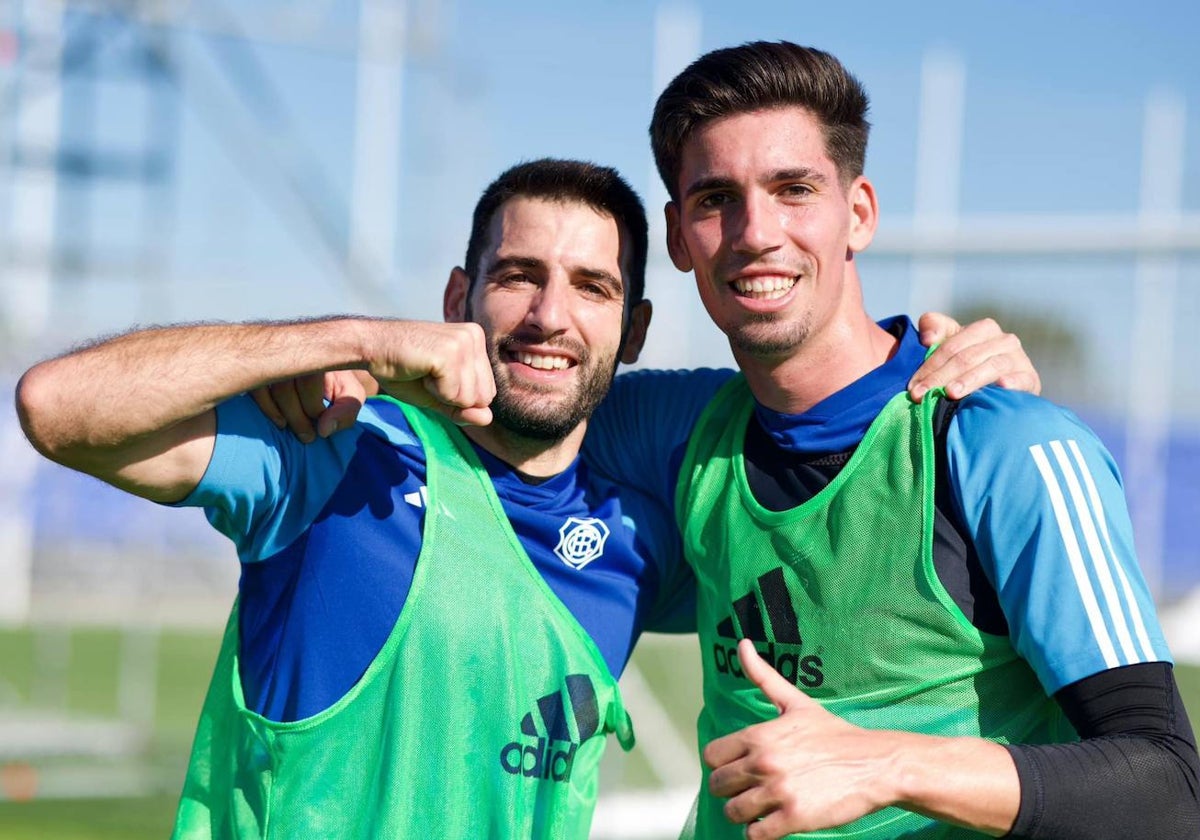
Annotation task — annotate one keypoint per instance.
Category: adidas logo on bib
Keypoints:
(782, 650)
(549, 752)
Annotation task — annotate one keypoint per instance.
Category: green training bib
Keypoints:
(841, 596)
(484, 715)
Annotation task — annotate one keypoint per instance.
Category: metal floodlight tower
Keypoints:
(33, 97)
(63, 61)
(62, 169)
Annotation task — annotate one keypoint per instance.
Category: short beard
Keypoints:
(778, 342)
(532, 417)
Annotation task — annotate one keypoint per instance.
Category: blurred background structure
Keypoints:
(182, 160)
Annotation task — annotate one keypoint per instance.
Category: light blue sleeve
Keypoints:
(1044, 502)
(638, 435)
(263, 487)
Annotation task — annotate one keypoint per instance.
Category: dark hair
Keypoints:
(599, 187)
(759, 76)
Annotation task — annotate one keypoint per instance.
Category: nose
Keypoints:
(757, 228)
(549, 308)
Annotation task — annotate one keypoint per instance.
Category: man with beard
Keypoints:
(360, 693)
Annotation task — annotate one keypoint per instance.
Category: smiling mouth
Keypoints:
(539, 361)
(764, 288)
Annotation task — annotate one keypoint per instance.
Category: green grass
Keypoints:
(1189, 686)
(87, 686)
(145, 818)
(92, 665)
(670, 666)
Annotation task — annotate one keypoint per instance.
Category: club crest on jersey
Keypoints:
(580, 541)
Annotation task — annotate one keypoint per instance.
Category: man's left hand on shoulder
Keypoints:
(968, 358)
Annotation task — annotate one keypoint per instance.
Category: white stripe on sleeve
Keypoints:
(1071, 544)
(1096, 553)
(1135, 611)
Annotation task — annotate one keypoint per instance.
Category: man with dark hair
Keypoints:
(962, 642)
(760, 76)
(360, 693)
(599, 187)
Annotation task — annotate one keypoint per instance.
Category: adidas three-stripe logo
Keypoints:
(770, 602)
(1113, 613)
(542, 759)
(777, 601)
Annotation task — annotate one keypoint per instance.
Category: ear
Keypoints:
(635, 335)
(454, 298)
(676, 247)
(864, 214)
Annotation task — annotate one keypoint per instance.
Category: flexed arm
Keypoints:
(137, 410)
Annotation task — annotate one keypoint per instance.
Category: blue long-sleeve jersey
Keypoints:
(329, 535)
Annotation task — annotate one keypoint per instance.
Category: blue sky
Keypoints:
(1055, 93)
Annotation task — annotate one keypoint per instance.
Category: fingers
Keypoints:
(291, 398)
(370, 387)
(784, 695)
(310, 391)
(771, 827)
(723, 751)
(266, 404)
(464, 394)
(749, 806)
(767, 816)
(346, 391)
(778, 690)
(471, 416)
(441, 366)
(936, 327)
(299, 404)
(766, 807)
(730, 779)
(340, 414)
(465, 383)
(1026, 378)
(979, 354)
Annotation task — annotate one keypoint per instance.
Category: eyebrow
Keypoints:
(606, 277)
(534, 264)
(799, 173)
(529, 263)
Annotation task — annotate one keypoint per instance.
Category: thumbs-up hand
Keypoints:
(806, 770)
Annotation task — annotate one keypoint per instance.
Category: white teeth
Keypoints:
(764, 288)
(543, 362)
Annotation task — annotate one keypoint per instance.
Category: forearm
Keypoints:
(138, 383)
(1135, 774)
(809, 769)
(970, 782)
(147, 395)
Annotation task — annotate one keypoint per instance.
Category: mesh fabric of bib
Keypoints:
(841, 596)
(484, 715)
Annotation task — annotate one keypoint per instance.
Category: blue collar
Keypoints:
(838, 422)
